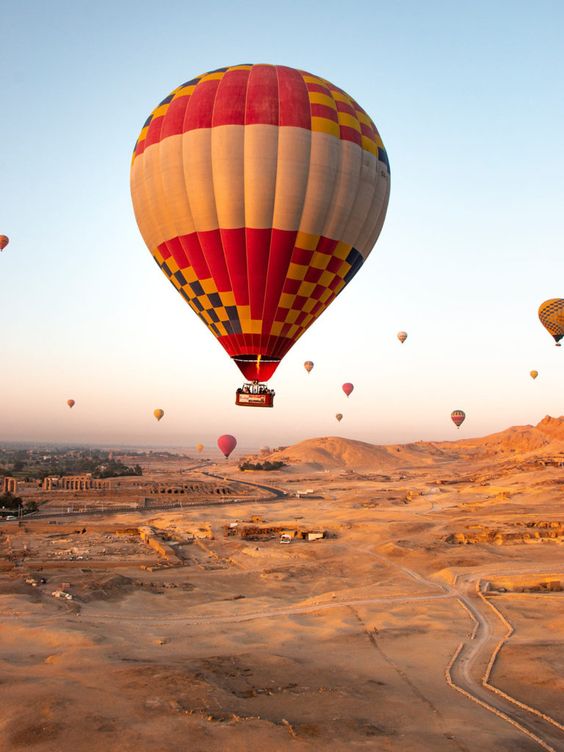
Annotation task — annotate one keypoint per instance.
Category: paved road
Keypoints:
(149, 510)
(471, 663)
(270, 489)
(469, 668)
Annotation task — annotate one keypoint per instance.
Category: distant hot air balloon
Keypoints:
(339, 417)
(71, 403)
(308, 365)
(260, 190)
(402, 336)
(226, 444)
(458, 417)
(158, 413)
(4, 240)
(199, 448)
(534, 374)
(551, 315)
(348, 388)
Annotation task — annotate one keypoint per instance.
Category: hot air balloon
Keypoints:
(158, 413)
(260, 190)
(226, 444)
(348, 388)
(4, 240)
(402, 336)
(339, 417)
(534, 374)
(551, 315)
(71, 403)
(458, 417)
(199, 448)
(308, 365)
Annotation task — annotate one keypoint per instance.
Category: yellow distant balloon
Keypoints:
(158, 413)
(534, 374)
(199, 448)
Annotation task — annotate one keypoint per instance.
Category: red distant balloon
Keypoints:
(348, 388)
(4, 240)
(71, 403)
(226, 444)
(458, 417)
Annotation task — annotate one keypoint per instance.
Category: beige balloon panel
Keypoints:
(182, 184)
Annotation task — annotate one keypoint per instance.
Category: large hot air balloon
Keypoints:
(402, 336)
(534, 374)
(458, 417)
(308, 365)
(158, 413)
(71, 403)
(226, 444)
(348, 388)
(199, 448)
(551, 315)
(4, 240)
(339, 417)
(260, 190)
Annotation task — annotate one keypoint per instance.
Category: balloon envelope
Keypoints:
(199, 448)
(308, 365)
(551, 315)
(402, 336)
(260, 190)
(348, 388)
(458, 417)
(71, 403)
(4, 240)
(158, 413)
(534, 374)
(226, 444)
(339, 417)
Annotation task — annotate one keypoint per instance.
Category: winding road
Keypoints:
(471, 665)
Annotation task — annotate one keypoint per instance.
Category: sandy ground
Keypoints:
(341, 643)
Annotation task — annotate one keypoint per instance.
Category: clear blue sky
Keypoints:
(468, 99)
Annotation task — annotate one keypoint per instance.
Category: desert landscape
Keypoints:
(416, 602)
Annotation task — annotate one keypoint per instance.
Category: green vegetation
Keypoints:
(266, 465)
(37, 463)
(10, 504)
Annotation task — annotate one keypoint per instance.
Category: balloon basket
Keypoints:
(254, 395)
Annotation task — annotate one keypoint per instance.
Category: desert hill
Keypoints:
(334, 452)
(548, 435)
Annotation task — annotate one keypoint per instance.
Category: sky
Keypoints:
(467, 97)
